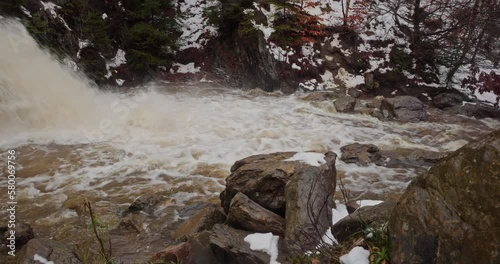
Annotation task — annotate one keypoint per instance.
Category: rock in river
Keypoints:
(451, 214)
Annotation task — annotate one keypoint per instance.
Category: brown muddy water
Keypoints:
(74, 143)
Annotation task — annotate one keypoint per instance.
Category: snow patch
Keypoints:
(41, 259)
(363, 203)
(120, 82)
(104, 16)
(311, 158)
(118, 60)
(266, 243)
(26, 11)
(188, 68)
(357, 255)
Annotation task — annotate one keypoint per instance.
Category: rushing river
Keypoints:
(73, 141)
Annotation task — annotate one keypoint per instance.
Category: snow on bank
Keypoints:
(357, 255)
(266, 243)
(118, 60)
(340, 212)
(51, 8)
(186, 68)
(194, 24)
(311, 158)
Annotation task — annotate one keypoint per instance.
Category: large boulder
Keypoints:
(262, 178)
(403, 108)
(229, 247)
(451, 214)
(309, 203)
(248, 215)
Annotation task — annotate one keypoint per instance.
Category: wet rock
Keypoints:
(132, 222)
(319, 96)
(181, 253)
(403, 157)
(361, 154)
(476, 110)
(450, 214)
(24, 233)
(48, 249)
(146, 202)
(229, 247)
(403, 108)
(200, 246)
(370, 83)
(372, 217)
(354, 93)
(248, 215)
(309, 203)
(345, 104)
(444, 100)
(262, 178)
(203, 220)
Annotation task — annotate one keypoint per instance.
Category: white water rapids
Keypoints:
(74, 140)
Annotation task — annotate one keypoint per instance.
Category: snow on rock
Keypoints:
(51, 8)
(311, 158)
(270, 15)
(120, 82)
(267, 243)
(188, 68)
(339, 212)
(279, 53)
(194, 24)
(26, 11)
(118, 60)
(357, 255)
(41, 259)
(349, 80)
(363, 203)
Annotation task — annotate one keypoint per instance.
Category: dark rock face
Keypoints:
(309, 205)
(361, 154)
(444, 100)
(403, 108)
(203, 220)
(345, 104)
(365, 217)
(262, 178)
(451, 214)
(49, 249)
(248, 215)
(229, 247)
